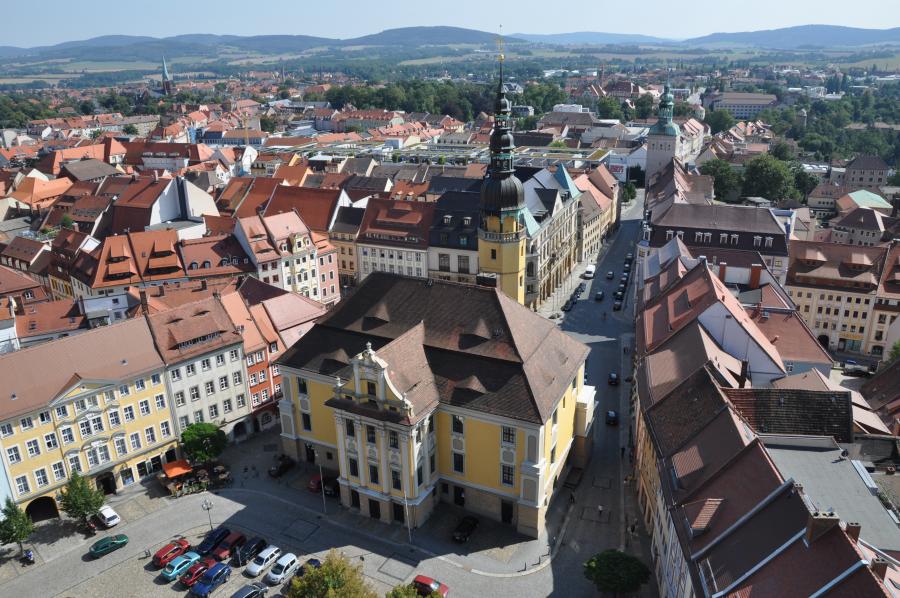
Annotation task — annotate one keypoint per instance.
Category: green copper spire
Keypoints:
(664, 125)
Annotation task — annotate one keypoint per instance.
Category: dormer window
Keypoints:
(447, 219)
(193, 266)
(467, 221)
(207, 263)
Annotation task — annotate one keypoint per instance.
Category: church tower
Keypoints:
(166, 79)
(663, 138)
(501, 233)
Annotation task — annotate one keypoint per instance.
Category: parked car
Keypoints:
(180, 565)
(567, 306)
(629, 258)
(331, 485)
(215, 576)
(263, 560)
(227, 546)
(610, 275)
(464, 529)
(425, 586)
(167, 553)
(108, 517)
(212, 540)
(621, 288)
(309, 564)
(285, 464)
(612, 418)
(249, 550)
(617, 305)
(589, 271)
(196, 571)
(613, 379)
(104, 546)
(624, 278)
(626, 266)
(619, 295)
(283, 569)
(598, 296)
(251, 590)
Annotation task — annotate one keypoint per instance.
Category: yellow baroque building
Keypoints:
(418, 392)
(95, 402)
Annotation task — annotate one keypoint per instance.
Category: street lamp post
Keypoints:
(321, 483)
(208, 506)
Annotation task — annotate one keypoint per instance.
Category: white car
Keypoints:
(108, 517)
(283, 569)
(263, 560)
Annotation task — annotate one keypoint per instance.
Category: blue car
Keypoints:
(179, 565)
(307, 566)
(215, 576)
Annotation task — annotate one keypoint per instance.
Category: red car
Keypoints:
(226, 547)
(426, 586)
(193, 575)
(167, 553)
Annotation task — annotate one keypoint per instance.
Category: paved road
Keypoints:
(386, 563)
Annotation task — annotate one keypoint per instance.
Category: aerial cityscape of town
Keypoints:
(445, 311)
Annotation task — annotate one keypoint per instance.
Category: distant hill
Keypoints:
(590, 37)
(426, 36)
(802, 36)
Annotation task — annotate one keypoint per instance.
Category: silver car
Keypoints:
(263, 560)
(283, 569)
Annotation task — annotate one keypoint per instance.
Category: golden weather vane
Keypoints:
(500, 55)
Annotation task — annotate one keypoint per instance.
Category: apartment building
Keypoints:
(413, 400)
(835, 288)
(71, 407)
(204, 366)
(453, 238)
(393, 237)
(343, 237)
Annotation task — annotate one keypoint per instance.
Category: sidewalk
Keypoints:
(495, 550)
(554, 303)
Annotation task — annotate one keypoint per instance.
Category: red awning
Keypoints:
(176, 468)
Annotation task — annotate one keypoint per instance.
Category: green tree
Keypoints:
(894, 179)
(609, 108)
(616, 572)
(895, 352)
(203, 441)
(16, 526)
(79, 499)
(628, 191)
(86, 107)
(336, 578)
(66, 221)
(769, 177)
(267, 124)
(719, 120)
(96, 133)
(726, 180)
(130, 129)
(804, 182)
(408, 592)
(559, 143)
(526, 123)
(782, 151)
(643, 106)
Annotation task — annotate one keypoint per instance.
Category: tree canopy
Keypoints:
(726, 180)
(719, 120)
(769, 177)
(80, 499)
(615, 571)
(203, 441)
(16, 526)
(336, 578)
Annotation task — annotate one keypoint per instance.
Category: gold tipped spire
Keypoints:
(500, 56)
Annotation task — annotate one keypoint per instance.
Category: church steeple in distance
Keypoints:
(166, 78)
(501, 232)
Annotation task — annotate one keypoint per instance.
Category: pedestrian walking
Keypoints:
(571, 498)
(622, 450)
(599, 511)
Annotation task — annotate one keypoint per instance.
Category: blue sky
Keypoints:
(64, 20)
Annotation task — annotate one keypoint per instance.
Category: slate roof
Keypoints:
(523, 362)
(456, 206)
(795, 411)
(89, 169)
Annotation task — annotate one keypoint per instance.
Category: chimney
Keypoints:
(162, 290)
(742, 379)
(852, 530)
(203, 285)
(723, 268)
(755, 272)
(144, 308)
(819, 524)
(702, 259)
(879, 567)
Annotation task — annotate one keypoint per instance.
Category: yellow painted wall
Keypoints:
(565, 430)
(323, 427)
(47, 457)
(510, 261)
